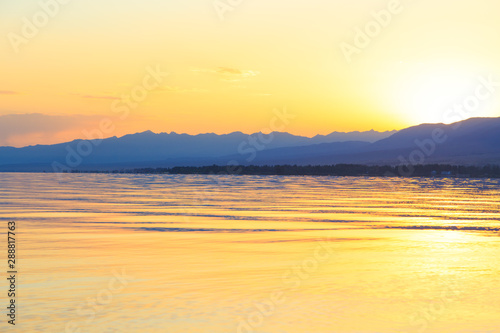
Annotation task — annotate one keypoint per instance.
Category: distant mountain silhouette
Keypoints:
(159, 149)
(475, 141)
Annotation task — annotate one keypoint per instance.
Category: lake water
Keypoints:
(174, 253)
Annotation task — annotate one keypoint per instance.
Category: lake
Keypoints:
(192, 253)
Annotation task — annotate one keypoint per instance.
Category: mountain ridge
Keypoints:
(472, 141)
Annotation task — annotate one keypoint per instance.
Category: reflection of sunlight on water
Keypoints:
(408, 255)
(447, 238)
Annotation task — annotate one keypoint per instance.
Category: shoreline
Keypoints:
(438, 171)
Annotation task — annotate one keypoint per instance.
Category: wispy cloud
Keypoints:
(98, 96)
(228, 74)
(179, 90)
(8, 92)
(35, 128)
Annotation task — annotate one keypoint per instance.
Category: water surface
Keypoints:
(254, 253)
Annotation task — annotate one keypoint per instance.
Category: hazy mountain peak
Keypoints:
(474, 140)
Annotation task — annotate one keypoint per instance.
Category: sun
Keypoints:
(434, 95)
(426, 93)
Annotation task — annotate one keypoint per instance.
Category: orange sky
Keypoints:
(66, 67)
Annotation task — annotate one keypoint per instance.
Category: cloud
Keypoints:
(179, 90)
(225, 70)
(8, 92)
(261, 94)
(229, 74)
(20, 130)
(97, 97)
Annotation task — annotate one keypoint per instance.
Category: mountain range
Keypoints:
(475, 141)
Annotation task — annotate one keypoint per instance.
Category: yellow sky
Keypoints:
(229, 66)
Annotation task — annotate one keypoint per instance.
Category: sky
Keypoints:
(70, 67)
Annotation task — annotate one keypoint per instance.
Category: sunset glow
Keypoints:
(229, 74)
(250, 166)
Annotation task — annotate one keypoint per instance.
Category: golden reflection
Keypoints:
(310, 255)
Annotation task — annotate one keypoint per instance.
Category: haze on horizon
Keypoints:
(227, 75)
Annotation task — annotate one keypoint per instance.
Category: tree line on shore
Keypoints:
(428, 170)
